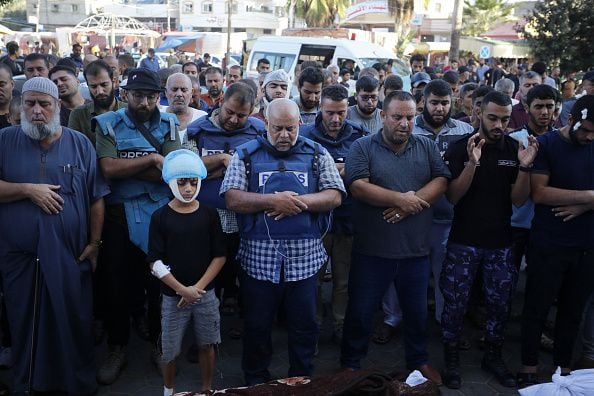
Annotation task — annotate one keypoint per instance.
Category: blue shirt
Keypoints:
(570, 167)
(150, 63)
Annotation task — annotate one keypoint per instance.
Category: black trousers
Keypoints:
(519, 247)
(127, 283)
(227, 279)
(563, 273)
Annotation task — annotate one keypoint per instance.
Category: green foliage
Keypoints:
(5, 2)
(320, 13)
(483, 15)
(402, 11)
(14, 9)
(560, 33)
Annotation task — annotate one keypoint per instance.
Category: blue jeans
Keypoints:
(260, 301)
(368, 281)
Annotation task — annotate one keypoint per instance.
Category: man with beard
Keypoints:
(366, 112)
(391, 223)
(179, 95)
(336, 134)
(99, 79)
(490, 172)
(436, 124)
(215, 139)
(233, 75)
(36, 65)
(282, 217)
(51, 214)
(76, 55)
(213, 77)
(130, 145)
(68, 86)
(310, 87)
(540, 105)
(561, 243)
(6, 87)
(275, 85)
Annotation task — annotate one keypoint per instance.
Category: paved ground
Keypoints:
(141, 378)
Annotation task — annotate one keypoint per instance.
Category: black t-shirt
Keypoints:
(186, 242)
(482, 217)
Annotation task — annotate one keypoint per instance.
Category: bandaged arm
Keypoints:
(189, 293)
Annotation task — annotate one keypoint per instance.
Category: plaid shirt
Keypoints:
(296, 259)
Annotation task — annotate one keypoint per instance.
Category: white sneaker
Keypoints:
(5, 357)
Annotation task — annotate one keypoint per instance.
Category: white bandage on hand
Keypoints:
(159, 269)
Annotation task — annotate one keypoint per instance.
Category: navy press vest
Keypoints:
(211, 140)
(267, 173)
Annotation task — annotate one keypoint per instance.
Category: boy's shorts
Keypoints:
(174, 322)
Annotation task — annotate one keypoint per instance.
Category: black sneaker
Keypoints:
(494, 364)
(113, 365)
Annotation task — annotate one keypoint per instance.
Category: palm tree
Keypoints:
(318, 13)
(402, 11)
(484, 15)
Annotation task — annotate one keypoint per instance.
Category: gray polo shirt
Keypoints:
(372, 123)
(370, 157)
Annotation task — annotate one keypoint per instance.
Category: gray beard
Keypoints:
(178, 109)
(40, 132)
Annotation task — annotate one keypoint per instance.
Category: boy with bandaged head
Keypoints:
(186, 252)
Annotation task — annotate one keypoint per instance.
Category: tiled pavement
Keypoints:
(141, 378)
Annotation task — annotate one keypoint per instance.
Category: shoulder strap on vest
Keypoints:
(172, 129)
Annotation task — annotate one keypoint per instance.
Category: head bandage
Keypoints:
(177, 194)
(183, 164)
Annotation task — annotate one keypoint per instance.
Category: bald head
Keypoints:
(178, 90)
(88, 59)
(282, 117)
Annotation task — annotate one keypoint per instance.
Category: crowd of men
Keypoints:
(466, 179)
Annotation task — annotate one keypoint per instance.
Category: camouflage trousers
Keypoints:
(457, 276)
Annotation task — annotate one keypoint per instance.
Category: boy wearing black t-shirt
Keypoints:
(186, 252)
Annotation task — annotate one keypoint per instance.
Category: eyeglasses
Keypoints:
(366, 98)
(151, 97)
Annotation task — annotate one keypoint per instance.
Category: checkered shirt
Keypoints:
(296, 259)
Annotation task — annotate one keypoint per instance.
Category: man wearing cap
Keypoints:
(99, 79)
(68, 86)
(51, 214)
(275, 85)
(215, 139)
(282, 217)
(418, 81)
(336, 134)
(130, 145)
(150, 62)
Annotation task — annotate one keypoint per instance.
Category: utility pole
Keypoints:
(456, 28)
(37, 15)
(228, 54)
(168, 18)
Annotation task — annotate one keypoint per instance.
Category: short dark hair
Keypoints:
(311, 63)
(418, 58)
(499, 98)
(401, 96)
(468, 87)
(451, 77)
(243, 93)
(12, 47)
(264, 61)
(542, 92)
(95, 67)
(235, 67)
(189, 64)
(213, 70)
(6, 68)
(310, 75)
(250, 83)
(127, 60)
(65, 68)
(367, 84)
(206, 55)
(335, 93)
(35, 56)
(344, 71)
(393, 82)
(481, 91)
(585, 102)
(418, 96)
(438, 88)
(76, 45)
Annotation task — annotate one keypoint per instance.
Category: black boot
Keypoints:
(494, 364)
(451, 373)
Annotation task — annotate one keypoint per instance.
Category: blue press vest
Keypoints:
(211, 140)
(268, 172)
(338, 149)
(130, 144)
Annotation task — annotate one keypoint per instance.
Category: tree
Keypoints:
(5, 2)
(319, 13)
(402, 11)
(482, 15)
(560, 33)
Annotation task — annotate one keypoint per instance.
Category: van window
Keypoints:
(322, 54)
(277, 61)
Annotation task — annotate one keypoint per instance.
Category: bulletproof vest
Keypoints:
(269, 171)
(211, 140)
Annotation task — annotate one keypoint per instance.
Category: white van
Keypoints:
(286, 52)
